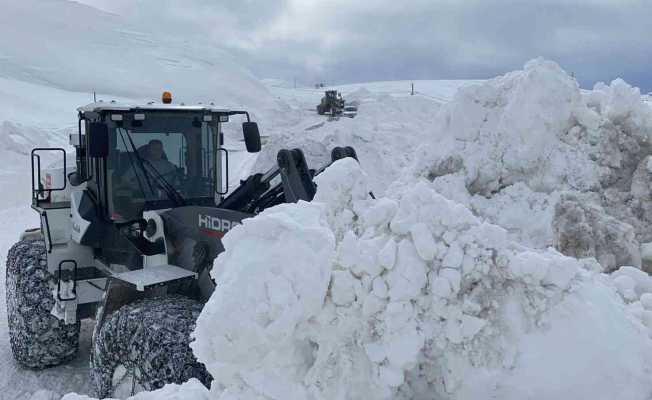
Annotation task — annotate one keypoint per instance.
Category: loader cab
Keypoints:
(139, 158)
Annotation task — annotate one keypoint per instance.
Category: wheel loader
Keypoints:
(128, 237)
(333, 105)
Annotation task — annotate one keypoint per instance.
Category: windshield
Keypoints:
(160, 162)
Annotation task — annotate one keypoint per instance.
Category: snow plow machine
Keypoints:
(333, 105)
(128, 237)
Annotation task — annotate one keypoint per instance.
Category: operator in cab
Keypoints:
(153, 157)
(154, 154)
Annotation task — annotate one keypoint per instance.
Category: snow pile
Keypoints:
(193, 389)
(264, 304)
(535, 126)
(424, 301)
(510, 147)
(508, 125)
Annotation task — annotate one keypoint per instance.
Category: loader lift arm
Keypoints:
(257, 192)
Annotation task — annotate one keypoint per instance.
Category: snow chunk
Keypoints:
(265, 290)
(342, 289)
(379, 288)
(423, 241)
(408, 277)
(387, 255)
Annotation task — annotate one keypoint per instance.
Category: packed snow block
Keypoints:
(632, 283)
(527, 215)
(583, 229)
(273, 278)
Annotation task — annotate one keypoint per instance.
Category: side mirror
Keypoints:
(75, 178)
(251, 136)
(98, 140)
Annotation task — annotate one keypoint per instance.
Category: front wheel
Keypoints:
(38, 339)
(145, 345)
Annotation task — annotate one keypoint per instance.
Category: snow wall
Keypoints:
(447, 286)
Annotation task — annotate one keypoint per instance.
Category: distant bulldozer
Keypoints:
(334, 105)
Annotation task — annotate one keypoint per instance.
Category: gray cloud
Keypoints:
(343, 41)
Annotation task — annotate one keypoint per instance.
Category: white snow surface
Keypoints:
(89, 50)
(193, 389)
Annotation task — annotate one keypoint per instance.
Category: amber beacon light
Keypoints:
(166, 98)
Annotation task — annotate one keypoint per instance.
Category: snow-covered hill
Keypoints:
(64, 44)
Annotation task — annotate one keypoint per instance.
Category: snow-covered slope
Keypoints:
(77, 48)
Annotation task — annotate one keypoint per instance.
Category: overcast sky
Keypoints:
(341, 41)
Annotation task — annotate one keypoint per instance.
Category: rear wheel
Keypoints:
(38, 339)
(145, 345)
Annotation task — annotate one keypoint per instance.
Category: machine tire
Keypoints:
(150, 339)
(38, 339)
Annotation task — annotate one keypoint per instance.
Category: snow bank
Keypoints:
(414, 297)
(193, 389)
(519, 140)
